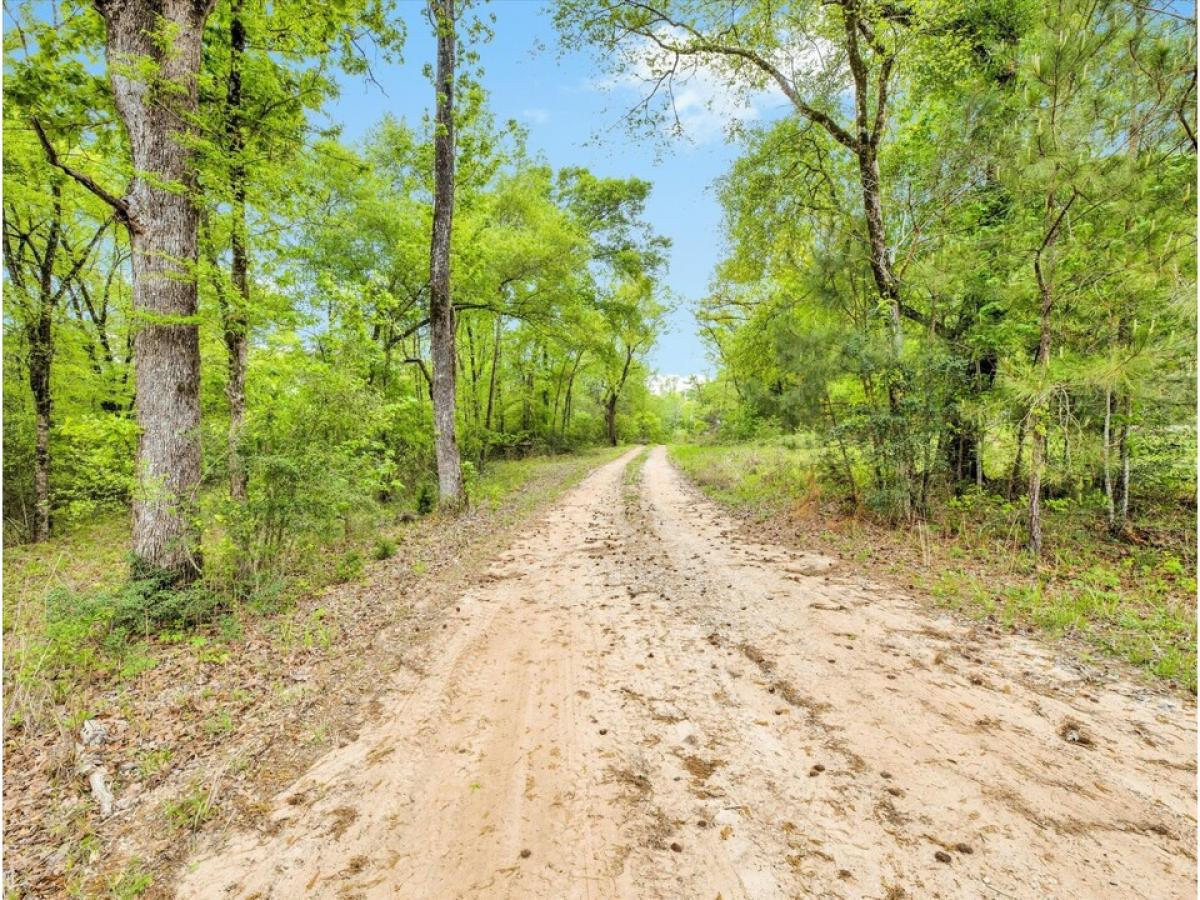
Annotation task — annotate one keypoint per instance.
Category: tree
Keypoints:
(799, 50)
(51, 232)
(632, 320)
(43, 267)
(266, 67)
(153, 60)
(441, 305)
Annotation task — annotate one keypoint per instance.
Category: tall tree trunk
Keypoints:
(1121, 519)
(1106, 453)
(610, 418)
(566, 416)
(1014, 474)
(441, 307)
(39, 378)
(41, 357)
(41, 354)
(1038, 414)
(236, 326)
(163, 222)
(487, 420)
(879, 253)
(614, 394)
(473, 371)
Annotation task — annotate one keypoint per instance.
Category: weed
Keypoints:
(385, 548)
(152, 762)
(219, 723)
(349, 568)
(426, 498)
(131, 882)
(191, 810)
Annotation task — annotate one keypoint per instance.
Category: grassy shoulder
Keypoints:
(249, 695)
(1119, 599)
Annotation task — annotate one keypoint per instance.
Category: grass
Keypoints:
(1130, 601)
(633, 471)
(760, 479)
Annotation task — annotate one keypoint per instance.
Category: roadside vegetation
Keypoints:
(1132, 600)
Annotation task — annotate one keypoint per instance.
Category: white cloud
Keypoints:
(536, 114)
(700, 99)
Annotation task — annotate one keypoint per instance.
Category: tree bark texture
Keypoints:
(157, 113)
(236, 326)
(441, 308)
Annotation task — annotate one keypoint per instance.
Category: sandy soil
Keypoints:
(636, 703)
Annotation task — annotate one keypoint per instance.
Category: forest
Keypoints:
(283, 369)
(250, 363)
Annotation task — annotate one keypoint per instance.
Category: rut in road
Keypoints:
(634, 702)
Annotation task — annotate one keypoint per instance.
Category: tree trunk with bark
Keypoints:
(1121, 505)
(44, 284)
(610, 418)
(441, 308)
(491, 398)
(163, 222)
(566, 415)
(41, 355)
(235, 315)
(614, 395)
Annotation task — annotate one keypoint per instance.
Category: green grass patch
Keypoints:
(633, 471)
(760, 478)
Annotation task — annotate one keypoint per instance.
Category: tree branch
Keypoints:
(704, 45)
(66, 280)
(119, 205)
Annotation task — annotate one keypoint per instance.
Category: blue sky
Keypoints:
(573, 121)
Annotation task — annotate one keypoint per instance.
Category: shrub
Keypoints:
(385, 548)
(93, 464)
(426, 498)
(348, 568)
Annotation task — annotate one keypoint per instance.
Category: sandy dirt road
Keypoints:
(635, 702)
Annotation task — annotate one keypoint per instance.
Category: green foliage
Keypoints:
(1010, 127)
(385, 548)
(426, 498)
(761, 476)
(132, 881)
(349, 567)
(94, 454)
(191, 810)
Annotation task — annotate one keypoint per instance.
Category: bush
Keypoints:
(93, 464)
(319, 450)
(349, 567)
(426, 498)
(385, 548)
(90, 633)
(142, 607)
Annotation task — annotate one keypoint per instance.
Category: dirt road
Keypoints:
(637, 703)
